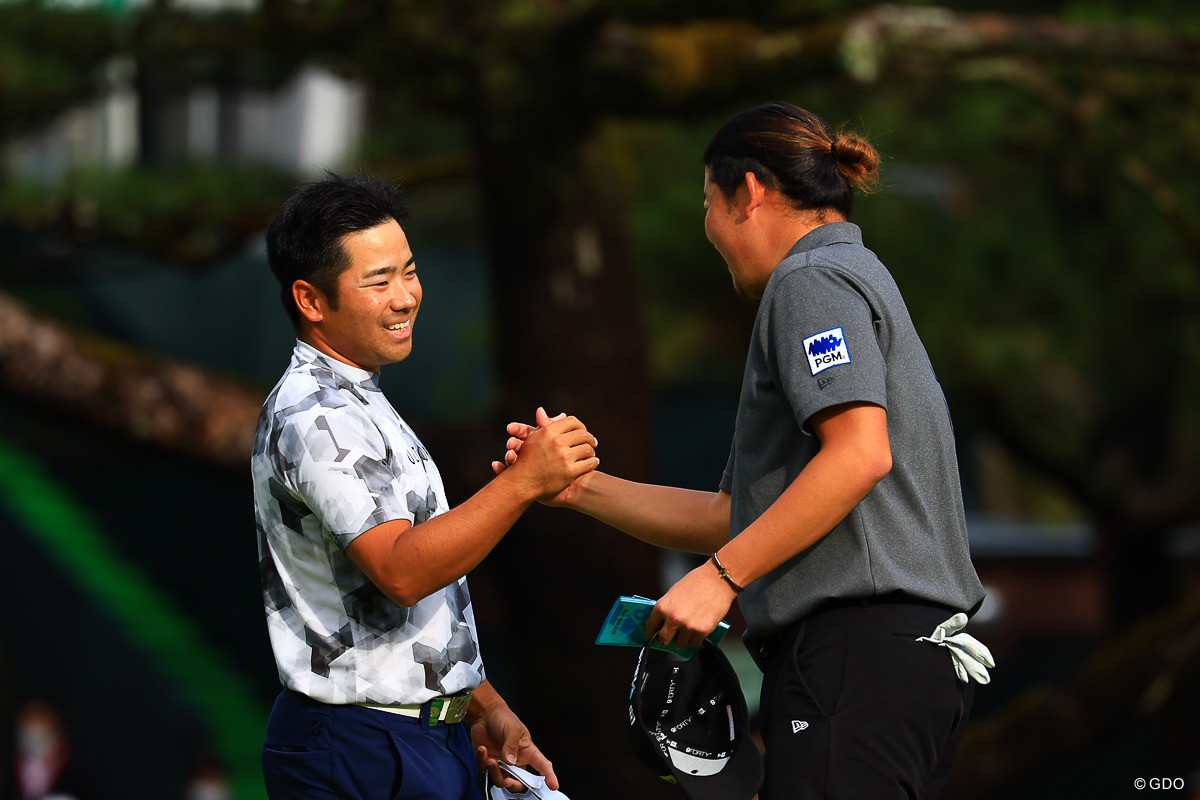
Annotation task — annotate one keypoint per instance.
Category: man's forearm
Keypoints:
(855, 455)
(665, 516)
(410, 562)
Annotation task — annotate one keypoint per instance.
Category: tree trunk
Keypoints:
(569, 337)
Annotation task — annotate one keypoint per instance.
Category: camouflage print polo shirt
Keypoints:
(332, 459)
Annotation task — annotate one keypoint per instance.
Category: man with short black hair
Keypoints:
(363, 562)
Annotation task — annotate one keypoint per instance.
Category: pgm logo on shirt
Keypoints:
(825, 350)
(799, 725)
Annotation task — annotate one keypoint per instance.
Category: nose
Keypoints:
(403, 297)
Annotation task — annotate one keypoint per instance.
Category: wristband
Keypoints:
(725, 574)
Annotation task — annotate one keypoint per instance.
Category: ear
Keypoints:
(756, 191)
(310, 300)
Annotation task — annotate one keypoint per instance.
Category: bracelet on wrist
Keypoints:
(725, 574)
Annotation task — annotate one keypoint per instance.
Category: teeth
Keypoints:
(399, 326)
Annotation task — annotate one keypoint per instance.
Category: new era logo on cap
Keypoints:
(689, 723)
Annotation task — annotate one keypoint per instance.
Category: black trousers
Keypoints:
(853, 707)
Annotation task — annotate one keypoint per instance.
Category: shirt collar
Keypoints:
(305, 352)
(827, 234)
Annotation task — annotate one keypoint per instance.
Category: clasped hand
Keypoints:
(554, 452)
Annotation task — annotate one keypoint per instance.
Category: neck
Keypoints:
(796, 226)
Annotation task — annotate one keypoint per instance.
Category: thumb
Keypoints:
(541, 417)
(511, 746)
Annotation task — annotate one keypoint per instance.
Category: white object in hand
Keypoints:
(535, 787)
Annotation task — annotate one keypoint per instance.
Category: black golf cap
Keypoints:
(688, 722)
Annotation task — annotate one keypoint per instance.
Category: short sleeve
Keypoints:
(819, 342)
(726, 484)
(339, 464)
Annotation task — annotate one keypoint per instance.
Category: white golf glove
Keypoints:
(971, 657)
(535, 787)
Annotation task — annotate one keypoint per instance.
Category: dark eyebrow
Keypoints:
(378, 271)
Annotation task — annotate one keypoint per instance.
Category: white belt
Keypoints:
(445, 710)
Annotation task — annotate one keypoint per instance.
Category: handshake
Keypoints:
(548, 456)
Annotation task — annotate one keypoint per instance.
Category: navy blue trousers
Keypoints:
(315, 751)
(854, 707)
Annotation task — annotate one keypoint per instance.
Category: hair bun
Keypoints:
(857, 160)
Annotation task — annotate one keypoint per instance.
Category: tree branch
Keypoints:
(153, 401)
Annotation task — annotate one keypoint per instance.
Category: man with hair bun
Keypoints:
(838, 523)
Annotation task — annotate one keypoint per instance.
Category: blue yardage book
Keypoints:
(626, 627)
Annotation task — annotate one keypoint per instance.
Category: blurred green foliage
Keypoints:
(1037, 209)
(185, 213)
(45, 68)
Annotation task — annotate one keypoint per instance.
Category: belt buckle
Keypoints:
(448, 710)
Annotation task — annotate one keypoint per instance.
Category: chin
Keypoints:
(397, 356)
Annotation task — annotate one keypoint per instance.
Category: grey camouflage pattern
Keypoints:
(332, 459)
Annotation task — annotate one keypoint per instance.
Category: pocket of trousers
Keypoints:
(818, 659)
(287, 770)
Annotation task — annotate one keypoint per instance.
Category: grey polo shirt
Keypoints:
(832, 328)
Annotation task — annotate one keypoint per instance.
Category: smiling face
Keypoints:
(378, 297)
(722, 226)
